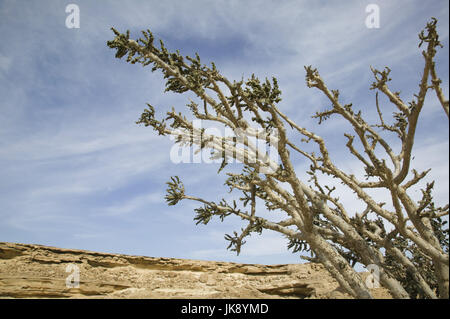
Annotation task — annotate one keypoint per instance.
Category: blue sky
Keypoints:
(77, 172)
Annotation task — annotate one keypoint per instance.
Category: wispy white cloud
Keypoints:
(132, 205)
(5, 63)
(270, 246)
(69, 148)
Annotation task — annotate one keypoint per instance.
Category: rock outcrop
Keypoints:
(34, 271)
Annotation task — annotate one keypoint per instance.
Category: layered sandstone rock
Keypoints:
(34, 271)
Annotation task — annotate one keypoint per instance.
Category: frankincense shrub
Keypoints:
(407, 241)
